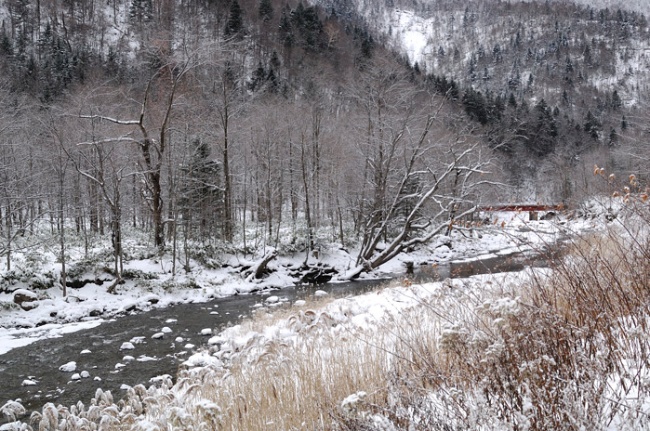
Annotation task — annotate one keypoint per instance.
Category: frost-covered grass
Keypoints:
(564, 348)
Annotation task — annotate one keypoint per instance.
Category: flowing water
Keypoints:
(109, 369)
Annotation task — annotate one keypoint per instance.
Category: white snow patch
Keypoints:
(13, 338)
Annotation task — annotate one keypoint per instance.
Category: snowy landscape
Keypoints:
(324, 215)
(296, 333)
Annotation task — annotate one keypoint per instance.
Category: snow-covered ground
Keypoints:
(343, 320)
(154, 286)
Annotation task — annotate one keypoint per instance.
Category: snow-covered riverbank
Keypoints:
(153, 285)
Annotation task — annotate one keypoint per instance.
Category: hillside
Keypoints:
(371, 124)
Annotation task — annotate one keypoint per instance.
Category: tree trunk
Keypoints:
(227, 187)
(62, 233)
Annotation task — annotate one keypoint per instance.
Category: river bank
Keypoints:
(151, 285)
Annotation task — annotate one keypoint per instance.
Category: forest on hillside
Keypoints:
(198, 119)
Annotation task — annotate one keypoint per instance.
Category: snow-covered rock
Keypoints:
(29, 382)
(179, 339)
(166, 330)
(85, 352)
(202, 360)
(320, 293)
(145, 358)
(69, 367)
(24, 295)
(26, 299)
(158, 335)
(127, 346)
(75, 376)
(206, 331)
(151, 298)
(272, 299)
(85, 374)
(217, 339)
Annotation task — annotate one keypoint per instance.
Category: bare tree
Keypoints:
(152, 124)
(418, 182)
(98, 162)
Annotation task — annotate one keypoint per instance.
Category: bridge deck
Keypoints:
(522, 207)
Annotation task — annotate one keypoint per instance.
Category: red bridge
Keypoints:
(522, 208)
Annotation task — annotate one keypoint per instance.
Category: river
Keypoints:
(107, 367)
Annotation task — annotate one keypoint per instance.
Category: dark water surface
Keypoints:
(41, 360)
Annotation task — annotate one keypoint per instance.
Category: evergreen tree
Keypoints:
(6, 47)
(306, 21)
(286, 30)
(141, 11)
(543, 139)
(616, 101)
(512, 102)
(201, 194)
(260, 77)
(592, 126)
(265, 10)
(613, 137)
(475, 106)
(235, 23)
(367, 46)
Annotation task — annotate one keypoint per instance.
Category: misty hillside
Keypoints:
(587, 67)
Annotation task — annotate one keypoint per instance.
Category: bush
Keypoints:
(136, 274)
